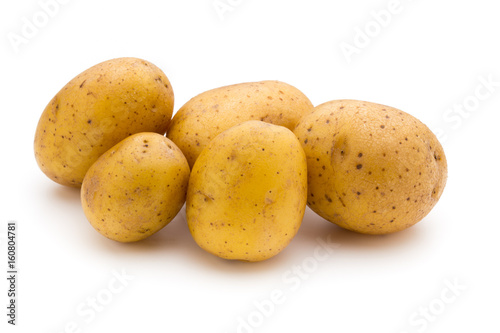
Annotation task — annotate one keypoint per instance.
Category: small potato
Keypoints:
(96, 110)
(247, 192)
(135, 188)
(372, 168)
(205, 116)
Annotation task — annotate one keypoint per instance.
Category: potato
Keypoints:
(135, 188)
(96, 110)
(247, 192)
(212, 112)
(372, 168)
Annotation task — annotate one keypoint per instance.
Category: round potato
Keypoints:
(96, 110)
(247, 192)
(205, 116)
(372, 168)
(135, 188)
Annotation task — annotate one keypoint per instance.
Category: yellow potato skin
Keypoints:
(210, 113)
(247, 192)
(135, 188)
(96, 110)
(372, 168)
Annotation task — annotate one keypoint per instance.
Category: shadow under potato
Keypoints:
(175, 238)
(67, 195)
(317, 232)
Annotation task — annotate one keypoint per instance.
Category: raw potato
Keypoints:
(372, 168)
(247, 192)
(96, 110)
(205, 116)
(136, 188)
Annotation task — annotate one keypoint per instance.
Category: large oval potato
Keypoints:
(136, 187)
(210, 113)
(372, 168)
(247, 192)
(96, 110)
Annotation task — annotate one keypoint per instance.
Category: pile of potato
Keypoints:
(246, 159)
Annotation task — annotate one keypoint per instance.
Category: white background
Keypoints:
(428, 57)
